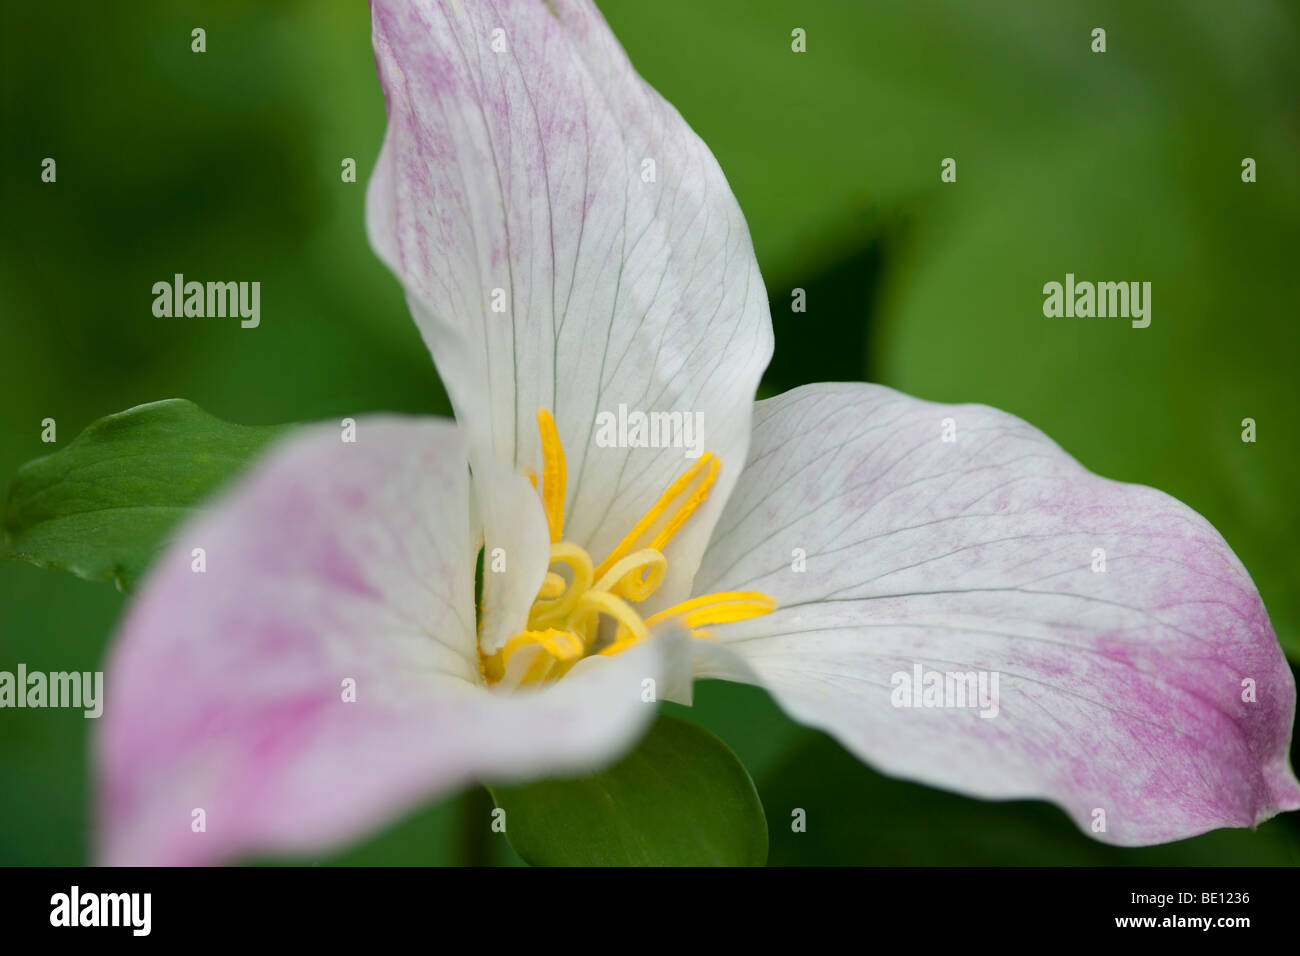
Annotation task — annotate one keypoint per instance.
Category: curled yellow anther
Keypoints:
(548, 611)
(605, 603)
(553, 647)
(636, 576)
(553, 586)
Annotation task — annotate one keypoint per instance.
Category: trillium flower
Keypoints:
(568, 246)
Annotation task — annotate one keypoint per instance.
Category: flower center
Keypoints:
(564, 622)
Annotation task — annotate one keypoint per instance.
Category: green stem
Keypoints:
(474, 828)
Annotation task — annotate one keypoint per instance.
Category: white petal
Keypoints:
(1121, 691)
(517, 141)
(516, 549)
(331, 568)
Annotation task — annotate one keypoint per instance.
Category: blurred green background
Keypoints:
(1123, 166)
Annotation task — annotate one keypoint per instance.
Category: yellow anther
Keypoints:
(559, 646)
(602, 602)
(553, 586)
(721, 607)
(539, 669)
(635, 577)
(554, 473)
(564, 623)
(547, 611)
(708, 465)
(688, 507)
(720, 604)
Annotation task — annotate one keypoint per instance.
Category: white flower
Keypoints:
(830, 540)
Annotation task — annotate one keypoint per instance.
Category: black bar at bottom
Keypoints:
(332, 905)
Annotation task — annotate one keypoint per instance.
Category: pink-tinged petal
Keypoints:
(329, 563)
(516, 159)
(1153, 691)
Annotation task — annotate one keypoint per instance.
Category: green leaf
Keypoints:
(680, 799)
(103, 506)
(853, 815)
(1165, 405)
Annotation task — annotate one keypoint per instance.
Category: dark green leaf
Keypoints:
(680, 799)
(103, 506)
(853, 815)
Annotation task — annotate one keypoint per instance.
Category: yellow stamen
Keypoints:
(721, 607)
(545, 610)
(605, 603)
(553, 586)
(709, 465)
(539, 669)
(554, 474)
(559, 644)
(688, 508)
(564, 622)
(628, 578)
(719, 601)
